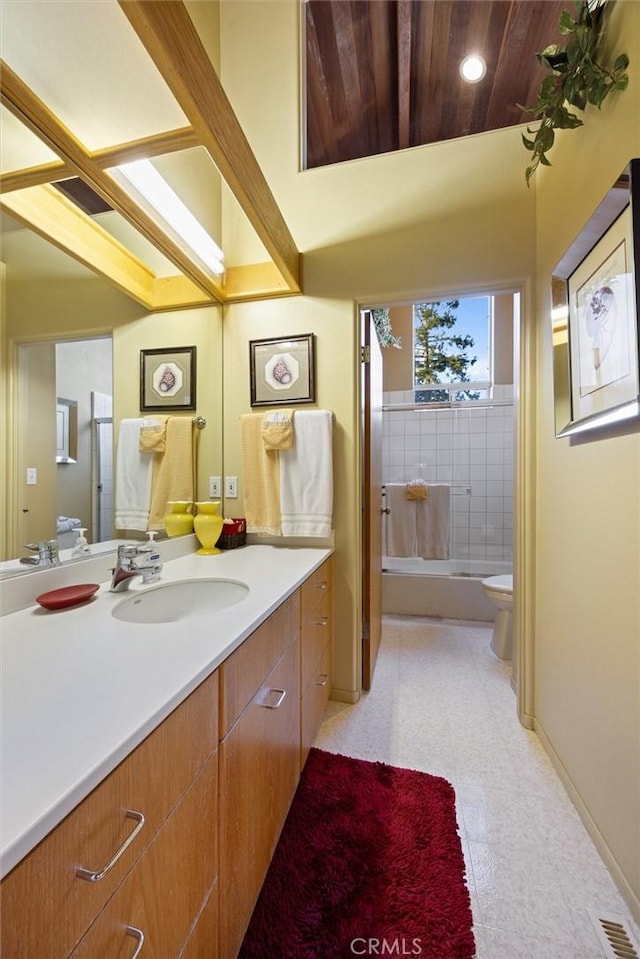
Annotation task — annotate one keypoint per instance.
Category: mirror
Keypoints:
(48, 295)
(595, 310)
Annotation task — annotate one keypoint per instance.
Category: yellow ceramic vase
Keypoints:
(207, 525)
(178, 521)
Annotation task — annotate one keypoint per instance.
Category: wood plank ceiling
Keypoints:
(383, 75)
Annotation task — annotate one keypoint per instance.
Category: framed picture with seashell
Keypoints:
(168, 379)
(282, 371)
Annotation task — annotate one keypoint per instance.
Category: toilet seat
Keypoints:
(499, 584)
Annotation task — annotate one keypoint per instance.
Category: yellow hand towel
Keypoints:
(153, 438)
(416, 491)
(173, 475)
(260, 479)
(277, 430)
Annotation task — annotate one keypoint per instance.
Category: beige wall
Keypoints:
(397, 363)
(201, 328)
(335, 346)
(502, 339)
(587, 653)
(458, 217)
(384, 229)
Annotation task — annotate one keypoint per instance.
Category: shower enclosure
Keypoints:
(467, 444)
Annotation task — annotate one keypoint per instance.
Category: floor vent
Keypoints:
(618, 941)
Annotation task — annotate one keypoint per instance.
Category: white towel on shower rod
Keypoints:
(401, 521)
(432, 523)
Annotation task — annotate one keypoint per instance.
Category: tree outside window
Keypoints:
(444, 347)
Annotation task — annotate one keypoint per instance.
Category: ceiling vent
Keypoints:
(83, 196)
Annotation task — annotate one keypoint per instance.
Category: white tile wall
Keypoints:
(467, 447)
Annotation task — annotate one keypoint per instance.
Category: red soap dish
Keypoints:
(67, 596)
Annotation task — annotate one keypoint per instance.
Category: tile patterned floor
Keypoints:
(443, 703)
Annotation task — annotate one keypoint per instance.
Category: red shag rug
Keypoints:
(369, 863)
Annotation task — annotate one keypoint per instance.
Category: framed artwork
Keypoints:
(282, 371)
(168, 379)
(596, 315)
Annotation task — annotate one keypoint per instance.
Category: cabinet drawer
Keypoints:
(314, 703)
(243, 672)
(259, 771)
(167, 888)
(316, 633)
(316, 586)
(149, 781)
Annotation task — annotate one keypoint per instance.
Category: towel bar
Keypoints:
(199, 422)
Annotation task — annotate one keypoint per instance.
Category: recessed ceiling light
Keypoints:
(473, 68)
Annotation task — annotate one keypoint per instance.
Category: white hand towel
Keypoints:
(306, 476)
(432, 523)
(133, 477)
(401, 521)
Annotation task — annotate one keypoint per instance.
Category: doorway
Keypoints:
(59, 493)
(507, 384)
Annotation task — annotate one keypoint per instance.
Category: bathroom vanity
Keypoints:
(147, 827)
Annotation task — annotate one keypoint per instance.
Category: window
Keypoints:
(452, 346)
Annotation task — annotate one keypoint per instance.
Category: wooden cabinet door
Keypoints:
(43, 900)
(259, 770)
(168, 887)
(313, 703)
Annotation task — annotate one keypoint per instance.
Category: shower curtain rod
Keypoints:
(455, 490)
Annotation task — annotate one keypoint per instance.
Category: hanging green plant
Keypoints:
(577, 78)
(382, 323)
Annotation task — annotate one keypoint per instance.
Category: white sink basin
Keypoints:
(183, 599)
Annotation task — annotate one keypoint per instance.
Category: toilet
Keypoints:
(499, 591)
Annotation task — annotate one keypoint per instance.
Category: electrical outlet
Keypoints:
(32, 476)
(215, 487)
(231, 487)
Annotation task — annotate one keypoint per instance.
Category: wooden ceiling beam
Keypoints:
(35, 176)
(404, 28)
(157, 145)
(28, 108)
(55, 218)
(170, 38)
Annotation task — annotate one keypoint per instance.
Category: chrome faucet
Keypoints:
(47, 554)
(127, 568)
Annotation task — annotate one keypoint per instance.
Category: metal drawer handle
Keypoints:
(92, 876)
(281, 699)
(139, 935)
(322, 679)
(323, 585)
(322, 621)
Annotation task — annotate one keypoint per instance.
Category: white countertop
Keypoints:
(81, 689)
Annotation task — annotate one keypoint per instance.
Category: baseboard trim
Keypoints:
(627, 893)
(345, 695)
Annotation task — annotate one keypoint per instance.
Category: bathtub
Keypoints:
(448, 588)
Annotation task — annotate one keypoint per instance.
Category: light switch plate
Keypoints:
(32, 476)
